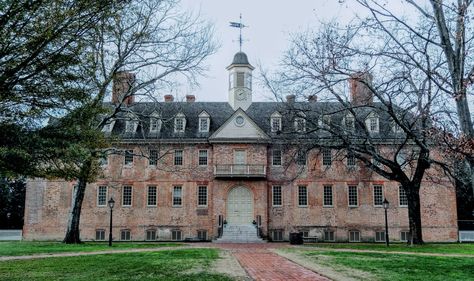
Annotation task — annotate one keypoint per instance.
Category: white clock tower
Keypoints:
(240, 82)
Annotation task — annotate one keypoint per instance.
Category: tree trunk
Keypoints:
(73, 231)
(414, 214)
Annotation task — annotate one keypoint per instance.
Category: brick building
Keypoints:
(187, 166)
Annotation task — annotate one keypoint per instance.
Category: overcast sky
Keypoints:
(270, 25)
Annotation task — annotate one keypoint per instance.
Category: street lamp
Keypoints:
(386, 204)
(111, 206)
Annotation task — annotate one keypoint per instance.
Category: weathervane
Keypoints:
(239, 25)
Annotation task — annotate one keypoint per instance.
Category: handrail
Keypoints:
(239, 169)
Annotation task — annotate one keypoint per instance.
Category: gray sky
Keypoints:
(270, 25)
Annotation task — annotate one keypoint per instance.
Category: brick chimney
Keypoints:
(360, 93)
(122, 83)
(312, 98)
(190, 98)
(290, 98)
(169, 98)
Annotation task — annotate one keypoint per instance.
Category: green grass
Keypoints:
(454, 248)
(31, 248)
(180, 264)
(396, 267)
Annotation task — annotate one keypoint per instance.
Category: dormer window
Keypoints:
(275, 122)
(204, 122)
(324, 121)
(300, 124)
(372, 123)
(155, 123)
(349, 122)
(131, 126)
(179, 123)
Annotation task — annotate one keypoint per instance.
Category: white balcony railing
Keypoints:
(239, 170)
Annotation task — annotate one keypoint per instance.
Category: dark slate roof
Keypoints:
(240, 58)
(260, 112)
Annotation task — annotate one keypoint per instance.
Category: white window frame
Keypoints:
(176, 235)
(381, 195)
(128, 152)
(202, 234)
(182, 118)
(368, 123)
(149, 187)
(326, 234)
(400, 190)
(152, 160)
(199, 196)
(199, 157)
(278, 234)
(150, 231)
(349, 125)
(351, 160)
(300, 124)
(407, 236)
(273, 196)
(380, 236)
(299, 195)
(176, 157)
(131, 126)
(98, 196)
(276, 157)
(125, 231)
(108, 127)
(326, 157)
(173, 196)
(350, 236)
(155, 124)
(275, 122)
(101, 230)
(349, 196)
(123, 196)
(328, 194)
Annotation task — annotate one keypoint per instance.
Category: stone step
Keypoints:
(233, 233)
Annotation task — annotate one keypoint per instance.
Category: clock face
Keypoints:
(241, 95)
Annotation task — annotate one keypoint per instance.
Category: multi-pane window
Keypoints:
(354, 236)
(179, 123)
(276, 157)
(349, 123)
(276, 195)
(302, 195)
(153, 157)
(373, 124)
(202, 157)
(240, 79)
(178, 157)
(301, 157)
(102, 196)
(300, 124)
(130, 126)
(405, 236)
(277, 235)
(327, 156)
(151, 196)
(327, 195)
(176, 235)
(351, 160)
(127, 196)
(128, 158)
(177, 195)
(202, 196)
(328, 235)
(380, 236)
(151, 235)
(353, 196)
(202, 235)
(125, 235)
(204, 125)
(305, 233)
(155, 125)
(378, 195)
(100, 235)
(276, 124)
(402, 197)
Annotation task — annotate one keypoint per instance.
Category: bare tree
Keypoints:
(145, 47)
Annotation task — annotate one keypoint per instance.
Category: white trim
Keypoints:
(179, 116)
(207, 196)
(281, 196)
(373, 195)
(332, 196)
(131, 195)
(357, 194)
(298, 196)
(148, 195)
(106, 195)
(181, 196)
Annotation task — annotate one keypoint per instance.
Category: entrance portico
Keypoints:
(240, 206)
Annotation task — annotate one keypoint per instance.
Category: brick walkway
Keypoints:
(261, 264)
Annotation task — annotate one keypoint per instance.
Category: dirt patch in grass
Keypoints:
(227, 264)
(322, 265)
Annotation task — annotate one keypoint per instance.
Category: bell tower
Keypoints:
(240, 82)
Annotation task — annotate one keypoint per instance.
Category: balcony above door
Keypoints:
(240, 171)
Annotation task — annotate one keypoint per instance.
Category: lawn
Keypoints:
(179, 264)
(454, 248)
(31, 248)
(394, 267)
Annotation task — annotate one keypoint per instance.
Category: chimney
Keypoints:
(190, 98)
(122, 83)
(169, 98)
(360, 93)
(312, 98)
(290, 98)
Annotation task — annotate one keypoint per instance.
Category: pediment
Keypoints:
(239, 127)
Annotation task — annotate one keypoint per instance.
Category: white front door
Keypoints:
(240, 206)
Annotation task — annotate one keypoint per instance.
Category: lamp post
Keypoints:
(386, 204)
(111, 206)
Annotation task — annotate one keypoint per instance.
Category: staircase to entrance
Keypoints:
(239, 233)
